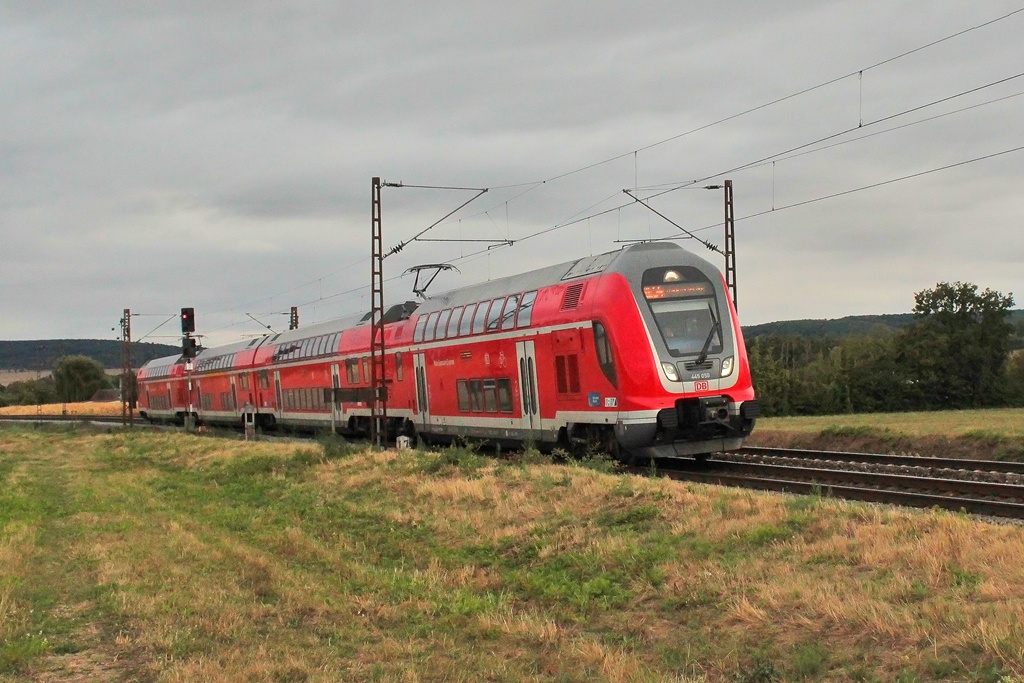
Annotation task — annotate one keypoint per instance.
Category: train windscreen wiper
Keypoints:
(716, 326)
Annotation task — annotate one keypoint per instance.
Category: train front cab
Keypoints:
(703, 370)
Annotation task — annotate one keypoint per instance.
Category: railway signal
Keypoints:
(188, 320)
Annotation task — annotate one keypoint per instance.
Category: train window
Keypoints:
(490, 396)
(494, 315)
(508, 316)
(245, 381)
(398, 366)
(561, 384)
(352, 371)
(264, 377)
(467, 320)
(526, 309)
(442, 323)
(688, 325)
(476, 395)
(366, 369)
(428, 335)
(421, 324)
(480, 319)
(321, 344)
(604, 353)
(462, 389)
(505, 395)
(453, 323)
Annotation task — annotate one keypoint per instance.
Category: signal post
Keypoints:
(188, 352)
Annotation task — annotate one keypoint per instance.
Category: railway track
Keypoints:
(973, 486)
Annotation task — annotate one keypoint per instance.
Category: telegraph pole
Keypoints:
(378, 384)
(378, 378)
(127, 383)
(730, 239)
(730, 244)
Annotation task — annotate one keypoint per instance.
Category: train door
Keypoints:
(527, 359)
(422, 395)
(277, 394)
(335, 405)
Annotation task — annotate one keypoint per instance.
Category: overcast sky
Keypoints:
(220, 154)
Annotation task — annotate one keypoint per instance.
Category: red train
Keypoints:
(637, 351)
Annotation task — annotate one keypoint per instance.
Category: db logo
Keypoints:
(701, 386)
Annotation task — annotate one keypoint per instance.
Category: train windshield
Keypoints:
(685, 309)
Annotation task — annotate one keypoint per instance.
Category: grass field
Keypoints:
(134, 555)
(84, 408)
(1006, 422)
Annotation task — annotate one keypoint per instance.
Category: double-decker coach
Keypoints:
(637, 352)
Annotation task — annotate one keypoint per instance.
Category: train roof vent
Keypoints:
(571, 297)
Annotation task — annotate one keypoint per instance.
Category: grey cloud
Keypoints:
(240, 138)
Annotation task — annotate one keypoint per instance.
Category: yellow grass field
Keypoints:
(84, 408)
(1005, 422)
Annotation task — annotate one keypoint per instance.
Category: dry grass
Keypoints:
(140, 556)
(1006, 422)
(84, 408)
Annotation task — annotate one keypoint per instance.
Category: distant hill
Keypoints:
(40, 355)
(852, 325)
(860, 325)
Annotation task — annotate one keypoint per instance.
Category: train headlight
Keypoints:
(727, 366)
(670, 371)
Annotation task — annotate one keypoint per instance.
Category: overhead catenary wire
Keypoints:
(473, 255)
(672, 187)
(785, 156)
(842, 193)
(788, 153)
(859, 72)
(832, 136)
(532, 185)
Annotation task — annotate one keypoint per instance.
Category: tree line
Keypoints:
(960, 351)
(75, 378)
